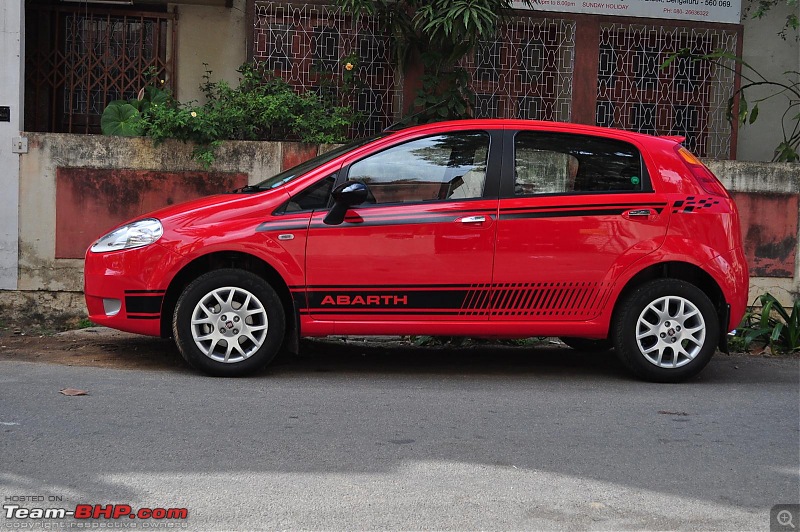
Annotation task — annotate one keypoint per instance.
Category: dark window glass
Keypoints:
(557, 163)
(451, 166)
(314, 197)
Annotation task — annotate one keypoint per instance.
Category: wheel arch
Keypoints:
(689, 273)
(231, 259)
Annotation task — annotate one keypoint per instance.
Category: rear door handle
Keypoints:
(647, 214)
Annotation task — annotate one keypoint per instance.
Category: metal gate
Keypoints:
(78, 59)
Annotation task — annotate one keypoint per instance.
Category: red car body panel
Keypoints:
(548, 265)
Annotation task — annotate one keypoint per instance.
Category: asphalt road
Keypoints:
(355, 437)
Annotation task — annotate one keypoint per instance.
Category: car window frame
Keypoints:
(508, 178)
(491, 189)
(281, 210)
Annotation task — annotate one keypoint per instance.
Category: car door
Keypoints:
(422, 246)
(575, 211)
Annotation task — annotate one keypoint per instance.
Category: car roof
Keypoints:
(507, 123)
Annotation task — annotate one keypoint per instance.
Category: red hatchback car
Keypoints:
(482, 228)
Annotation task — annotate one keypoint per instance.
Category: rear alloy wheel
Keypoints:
(666, 330)
(229, 323)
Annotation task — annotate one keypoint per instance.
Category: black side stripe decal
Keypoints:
(562, 212)
(576, 300)
(272, 226)
(583, 206)
(512, 213)
(162, 292)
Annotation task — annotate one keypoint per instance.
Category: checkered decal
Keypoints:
(692, 204)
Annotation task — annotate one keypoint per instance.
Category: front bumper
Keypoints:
(125, 289)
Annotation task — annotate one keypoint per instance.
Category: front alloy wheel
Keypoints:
(666, 330)
(228, 323)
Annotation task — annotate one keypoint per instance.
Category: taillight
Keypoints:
(707, 180)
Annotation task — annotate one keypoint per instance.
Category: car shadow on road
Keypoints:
(338, 356)
(473, 358)
(545, 359)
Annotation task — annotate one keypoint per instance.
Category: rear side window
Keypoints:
(560, 163)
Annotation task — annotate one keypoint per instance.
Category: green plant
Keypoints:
(760, 8)
(772, 325)
(441, 32)
(445, 92)
(124, 117)
(261, 107)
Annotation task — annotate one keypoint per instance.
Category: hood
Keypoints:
(217, 208)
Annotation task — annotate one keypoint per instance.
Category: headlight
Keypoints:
(133, 235)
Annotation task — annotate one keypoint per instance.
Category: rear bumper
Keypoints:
(730, 271)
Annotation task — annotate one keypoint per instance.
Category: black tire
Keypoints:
(673, 347)
(588, 345)
(232, 339)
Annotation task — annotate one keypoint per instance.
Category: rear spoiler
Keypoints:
(674, 138)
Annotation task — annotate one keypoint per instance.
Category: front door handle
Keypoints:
(472, 219)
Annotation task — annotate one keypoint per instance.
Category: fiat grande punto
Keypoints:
(485, 228)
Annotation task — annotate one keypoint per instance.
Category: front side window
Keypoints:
(314, 197)
(559, 163)
(450, 166)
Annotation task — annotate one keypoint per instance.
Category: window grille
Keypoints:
(525, 71)
(80, 59)
(688, 98)
(308, 45)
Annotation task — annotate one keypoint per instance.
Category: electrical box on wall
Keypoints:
(19, 145)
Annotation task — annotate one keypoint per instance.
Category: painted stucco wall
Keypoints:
(11, 93)
(38, 231)
(769, 191)
(213, 35)
(771, 56)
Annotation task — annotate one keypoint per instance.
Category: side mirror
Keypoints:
(346, 195)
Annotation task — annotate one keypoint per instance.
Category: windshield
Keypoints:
(303, 168)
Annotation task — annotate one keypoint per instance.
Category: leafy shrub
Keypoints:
(124, 118)
(260, 108)
(442, 32)
(772, 325)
